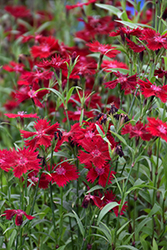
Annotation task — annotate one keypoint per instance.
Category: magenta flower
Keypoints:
(19, 215)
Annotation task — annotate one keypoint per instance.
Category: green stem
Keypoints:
(61, 214)
(52, 207)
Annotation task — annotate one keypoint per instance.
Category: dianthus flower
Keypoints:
(154, 40)
(96, 152)
(139, 130)
(127, 82)
(149, 89)
(104, 49)
(48, 46)
(19, 215)
(69, 7)
(101, 200)
(63, 173)
(135, 47)
(25, 92)
(156, 127)
(18, 11)
(102, 174)
(23, 160)
(43, 135)
(14, 67)
(22, 114)
(107, 65)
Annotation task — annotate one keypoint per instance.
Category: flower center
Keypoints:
(159, 39)
(162, 129)
(99, 171)
(89, 134)
(22, 161)
(95, 153)
(45, 48)
(122, 79)
(32, 94)
(60, 171)
(156, 88)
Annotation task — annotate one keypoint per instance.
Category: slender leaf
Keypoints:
(105, 210)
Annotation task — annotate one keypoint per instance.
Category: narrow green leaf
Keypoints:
(12, 238)
(70, 92)
(155, 246)
(105, 210)
(44, 26)
(127, 247)
(110, 8)
(97, 187)
(80, 225)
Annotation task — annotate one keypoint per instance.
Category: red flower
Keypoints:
(104, 49)
(22, 114)
(149, 89)
(127, 82)
(36, 76)
(103, 199)
(97, 152)
(64, 173)
(4, 159)
(48, 46)
(139, 130)
(14, 67)
(156, 127)
(100, 173)
(43, 135)
(135, 47)
(25, 92)
(127, 31)
(75, 115)
(23, 160)
(69, 7)
(19, 215)
(107, 65)
(154, 39)
(18, 11)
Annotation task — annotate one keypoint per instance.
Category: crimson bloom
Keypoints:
(25, 92)
(19, 215)
(96, 152)
(14, 67)
(102, 174)
(156, 127)
(43, 135)
(154, 40)
(104, 49)
(22, 114)
(139, 130)
(108, 65)
(149, 89)
(69, 7)
(64, 173)
(135, 47)
(127, 82)
(23, 160)
(101, 200)
(18, 11)
(48, 46)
